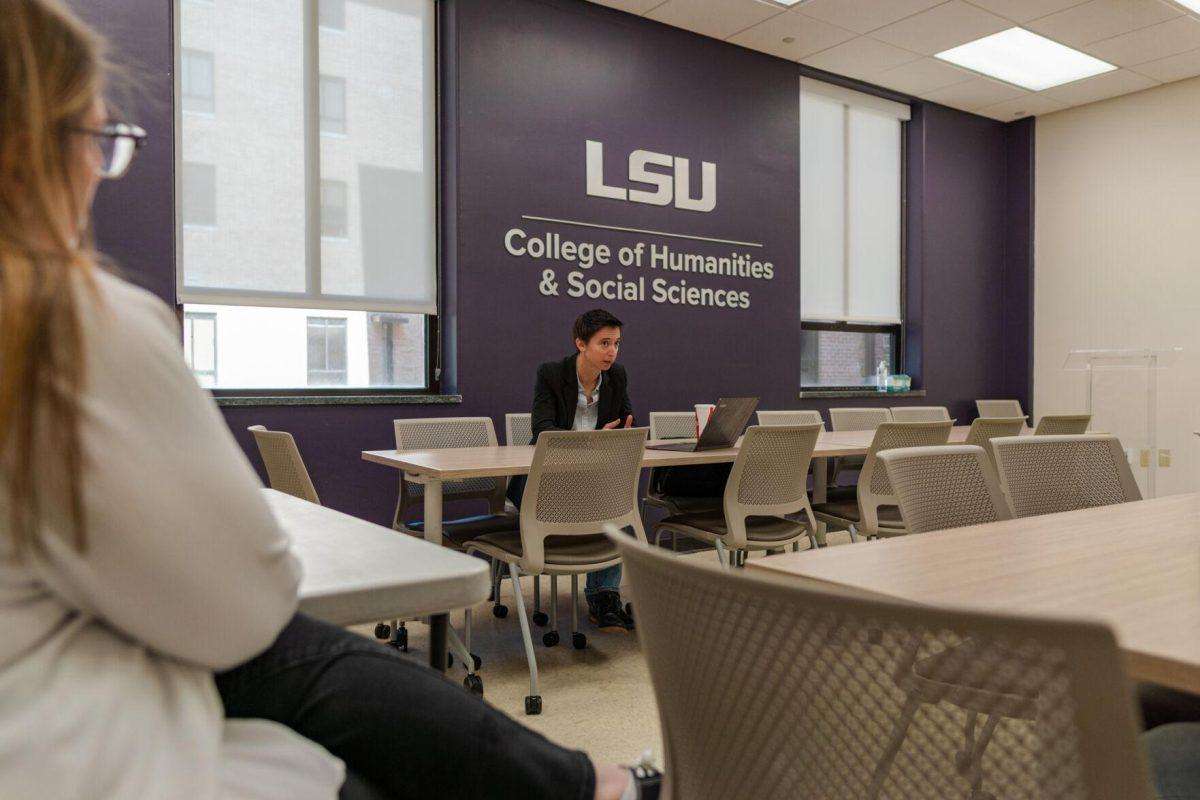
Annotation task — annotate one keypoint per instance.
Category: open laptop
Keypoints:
(725, 425)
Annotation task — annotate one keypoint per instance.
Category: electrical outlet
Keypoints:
(1145, 458)
(1164, 458)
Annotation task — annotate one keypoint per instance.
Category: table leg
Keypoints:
(438, 624)
(820, 480)
(433, 512)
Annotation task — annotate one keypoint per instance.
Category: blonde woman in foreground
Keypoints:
(151, 646)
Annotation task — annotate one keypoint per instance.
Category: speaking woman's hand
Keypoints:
(617, 423)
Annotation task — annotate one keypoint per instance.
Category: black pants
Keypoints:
(402, 729)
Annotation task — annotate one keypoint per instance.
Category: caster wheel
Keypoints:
(629, 609)
(550, 638)
(533, 705)
(400, 642)
(383, 631)
(540, 618)
(578, 641)
(476, 660)
(474, 684)
(499, 611)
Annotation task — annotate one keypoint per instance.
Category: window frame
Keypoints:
(194, 53)
(433, 387)
(326, 323)
(190, 354)
(322, 106)
(898, 331)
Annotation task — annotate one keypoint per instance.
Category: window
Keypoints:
(199, 203)
(851, 217)
(333, 104)
(200, 346)
(333, 210)
(311, 224)
(196, 81)
(327, 351)
(332, 14)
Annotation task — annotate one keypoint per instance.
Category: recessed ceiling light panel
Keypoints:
(1190, 5)
(1025, 59)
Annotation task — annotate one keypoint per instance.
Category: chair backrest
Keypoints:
(999, 408)
(798, 417)
(984, 429)
(858, 419)
(518, 429)
(1062, 425)
(769, 478)
(436, 433)
(1048, 474)
(672, 424)
(920, 413)
(580, 481)
(944, 487)
(874, 489)
(810, 683)
(285, 467)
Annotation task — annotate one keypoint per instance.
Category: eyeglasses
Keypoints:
(118, 141)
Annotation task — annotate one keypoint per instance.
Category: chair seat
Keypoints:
(847, 509)
(997, 689)
(458, 532)
(561, 551)
(711, 524)
(684, 505)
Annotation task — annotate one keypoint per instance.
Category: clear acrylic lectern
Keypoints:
(1149, 361)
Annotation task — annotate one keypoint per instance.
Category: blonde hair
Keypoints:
(52, 67)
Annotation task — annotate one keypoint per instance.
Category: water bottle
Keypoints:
(881, 377)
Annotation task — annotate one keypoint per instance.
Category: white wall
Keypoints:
(1117, 249)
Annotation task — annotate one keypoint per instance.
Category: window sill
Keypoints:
(339, 400)
(817, 393)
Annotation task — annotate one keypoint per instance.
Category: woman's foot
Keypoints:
(604, 610)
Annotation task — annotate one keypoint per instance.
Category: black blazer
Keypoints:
(556, 396)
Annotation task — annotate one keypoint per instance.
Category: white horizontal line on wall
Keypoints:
(638, 230)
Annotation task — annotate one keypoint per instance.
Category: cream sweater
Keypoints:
(107, 657)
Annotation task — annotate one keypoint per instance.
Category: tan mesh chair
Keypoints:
(984, 429)
(1048, 474)
(578, 482)
(944, 487)
(799, 417)
(673, 425)
(285, 467)
(854, 419)
(1062, 425)
(518, 429)
(447, 432)
(874, 511)
(769, 480)
(999, 408)
(920, 413)
(804, 696)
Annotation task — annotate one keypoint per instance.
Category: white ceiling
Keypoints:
(890, 43)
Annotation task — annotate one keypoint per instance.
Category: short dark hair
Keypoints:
(587, 323)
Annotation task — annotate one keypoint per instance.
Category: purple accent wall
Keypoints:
(524, 82)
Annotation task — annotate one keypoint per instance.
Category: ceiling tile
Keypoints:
(864, 16)
(860, 57)
(1099, 87)
(1102, 19)
(1020, 11)
(919, 77)
(975, 93)
(1172, 68)
(1030, 106)
(941, 28)
(809, 35)
(717, 18)
(632, 6)
(1168, 38)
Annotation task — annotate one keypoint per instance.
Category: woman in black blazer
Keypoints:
(586, 391)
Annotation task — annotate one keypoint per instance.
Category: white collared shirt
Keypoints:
(587, 409)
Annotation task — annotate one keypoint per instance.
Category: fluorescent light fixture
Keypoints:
(1025, 59)
(784, 3)
(1190, 5)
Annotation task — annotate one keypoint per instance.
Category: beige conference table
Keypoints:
(1134, 567)
(433, 467)
(356, 571)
